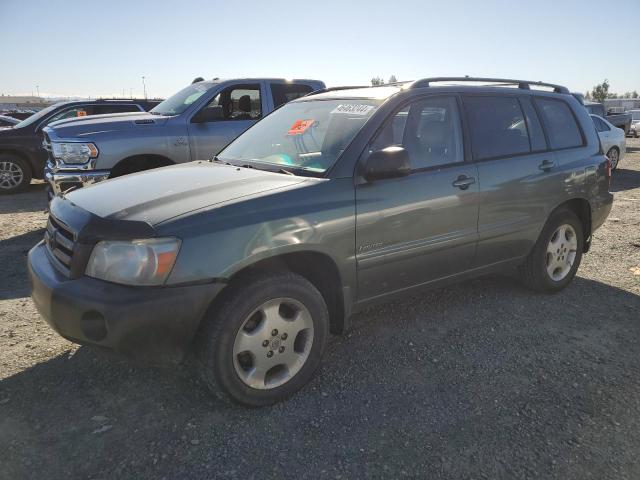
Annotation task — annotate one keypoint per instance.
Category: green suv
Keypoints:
(332, 203)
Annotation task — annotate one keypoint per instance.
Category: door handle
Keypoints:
(546, 165)
(463, 182)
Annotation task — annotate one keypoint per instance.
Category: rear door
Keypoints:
(518, 173)
(423, 227)
(242, 106)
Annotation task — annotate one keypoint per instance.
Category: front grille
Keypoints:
(60, 241)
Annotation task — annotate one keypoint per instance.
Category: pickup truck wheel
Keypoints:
(265, 340)
(556, 256)
(614, 156)
(15, 174)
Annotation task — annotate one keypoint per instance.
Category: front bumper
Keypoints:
(153, 324)
(61, 180)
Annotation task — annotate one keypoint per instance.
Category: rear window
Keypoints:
(285, 92)
(498, 127)
(102, 109)
(561, 125)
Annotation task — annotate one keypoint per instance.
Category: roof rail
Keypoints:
(523, 84)
(333, 89)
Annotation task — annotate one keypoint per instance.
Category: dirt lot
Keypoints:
(481, 380)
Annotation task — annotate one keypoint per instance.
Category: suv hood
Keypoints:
(158, 195)
(111, 122)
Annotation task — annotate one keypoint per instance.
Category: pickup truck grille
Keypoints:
(60, 241)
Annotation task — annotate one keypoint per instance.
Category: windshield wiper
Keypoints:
(284, 170)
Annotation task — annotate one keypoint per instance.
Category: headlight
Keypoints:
(74, 152)
(138, 262)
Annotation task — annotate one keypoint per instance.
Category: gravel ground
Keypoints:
(481, 380)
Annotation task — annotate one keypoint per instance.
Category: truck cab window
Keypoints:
(240, 102)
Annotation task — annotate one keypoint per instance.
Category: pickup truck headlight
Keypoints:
(74, 152)
(136, 262)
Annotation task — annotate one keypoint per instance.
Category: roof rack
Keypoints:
(523, 84)
(333, 89)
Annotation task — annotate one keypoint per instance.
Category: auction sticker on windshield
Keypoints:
(353, 109)
(300, 126)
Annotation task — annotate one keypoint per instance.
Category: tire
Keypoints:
(224, 363)
(15, 174)
(535, 271)
(614, 155)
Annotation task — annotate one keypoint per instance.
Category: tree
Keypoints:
(634, 94)
(392, 79)
(375, 81)
(587, 96)
(600, 91)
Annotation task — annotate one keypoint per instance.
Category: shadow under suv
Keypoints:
(334, 202)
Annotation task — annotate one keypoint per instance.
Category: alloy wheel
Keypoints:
(561, 252)
(11, 175)
(614, 156)
(273, 343)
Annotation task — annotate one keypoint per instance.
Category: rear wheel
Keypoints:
(15, 174)
(556, 256)
(614, 156)
(266, 340)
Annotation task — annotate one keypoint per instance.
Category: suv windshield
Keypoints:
(38, 115)
(178, 103)
(308, 135)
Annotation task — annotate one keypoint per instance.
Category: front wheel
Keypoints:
(614, 156)
(266, 339)
(15, 174)
(556, 256)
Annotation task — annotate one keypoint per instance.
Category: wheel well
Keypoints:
(317, 268)
(24, 157)
(582, 209)
(139, 163)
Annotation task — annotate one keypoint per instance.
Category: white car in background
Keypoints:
(634, 131)
(613, 140)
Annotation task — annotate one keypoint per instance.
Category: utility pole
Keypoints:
(144, 88)
(38, 90)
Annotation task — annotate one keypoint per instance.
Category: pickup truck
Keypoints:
(21, 155)
(635, 123)
(620, 120)
(194, 124)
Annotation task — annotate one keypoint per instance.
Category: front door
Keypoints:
(420, 228)
(241, 107)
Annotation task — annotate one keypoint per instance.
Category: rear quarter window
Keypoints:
(562, 129)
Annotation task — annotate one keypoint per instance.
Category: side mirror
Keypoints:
(209, 114)
(390, 162)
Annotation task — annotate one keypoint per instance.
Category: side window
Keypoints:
(429, 129)
(102, 109)
(239, 102)
(560, 123)
(497, 126)
(536, 135)
(600, 125)
(285, 92)
(72, 113)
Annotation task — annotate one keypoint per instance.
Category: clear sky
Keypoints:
(90, 47)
